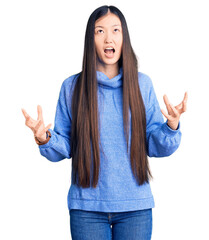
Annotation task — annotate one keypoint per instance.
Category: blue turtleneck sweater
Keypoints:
(117, 189)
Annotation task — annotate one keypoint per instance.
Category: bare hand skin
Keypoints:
(174, 113)
(37, 126)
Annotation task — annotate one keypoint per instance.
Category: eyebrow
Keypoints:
(112, 26)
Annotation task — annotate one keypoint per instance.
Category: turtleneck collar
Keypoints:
(110, 83)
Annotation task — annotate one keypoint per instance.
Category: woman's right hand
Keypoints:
(37, 126)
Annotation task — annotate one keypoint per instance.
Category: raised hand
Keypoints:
(174, 113)
(37, 126)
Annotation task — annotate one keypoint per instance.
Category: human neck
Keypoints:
(109, 70)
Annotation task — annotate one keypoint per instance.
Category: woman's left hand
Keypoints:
(174, 113)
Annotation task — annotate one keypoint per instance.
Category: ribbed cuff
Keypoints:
(169, 131)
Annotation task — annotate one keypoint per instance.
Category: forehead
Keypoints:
(109, 19)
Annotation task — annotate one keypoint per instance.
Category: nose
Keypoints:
(108, 37)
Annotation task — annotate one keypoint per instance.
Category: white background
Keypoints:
(41, 45)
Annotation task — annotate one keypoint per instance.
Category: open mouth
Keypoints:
(109, 50)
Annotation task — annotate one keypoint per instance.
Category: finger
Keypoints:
(40, 114)
(185, 102)
(27, 117)
(184, 108)
(185, 97)
(40, 122)
(165, 114)
(48, 126)
(175, 112)
(167, 103)
(29, 121)
(179, 106)
(37, 126)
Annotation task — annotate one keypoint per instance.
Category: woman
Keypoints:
(108, 120)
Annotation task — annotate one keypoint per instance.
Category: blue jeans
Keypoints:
(92, 225)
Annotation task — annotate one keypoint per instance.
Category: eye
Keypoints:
(116, 30)
(100, 31)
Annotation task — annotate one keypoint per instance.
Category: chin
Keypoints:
(106, 61)
(110, 61)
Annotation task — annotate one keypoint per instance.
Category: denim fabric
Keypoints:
(93, 225)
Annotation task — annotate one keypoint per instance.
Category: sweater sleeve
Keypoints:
(58, 147)
(162, 141)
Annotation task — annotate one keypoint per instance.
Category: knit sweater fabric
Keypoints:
(117, 189)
